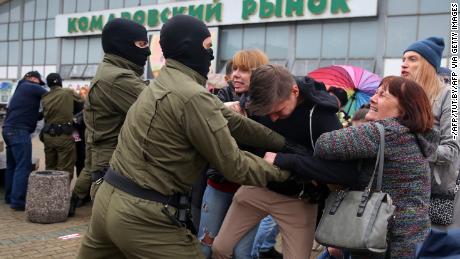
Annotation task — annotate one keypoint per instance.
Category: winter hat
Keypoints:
(431, 49)
(53, 79)
(181, 38)
(118, 37)
(36, 75)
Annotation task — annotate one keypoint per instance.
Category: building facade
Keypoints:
(54, 35)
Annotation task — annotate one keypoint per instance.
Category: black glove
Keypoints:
(294, 148)
(290, 187)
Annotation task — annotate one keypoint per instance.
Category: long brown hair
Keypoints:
(428, 79)
(414, 106)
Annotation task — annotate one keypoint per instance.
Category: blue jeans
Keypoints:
(18, 165)
(214, 207)
(325, 255)
(265, 238)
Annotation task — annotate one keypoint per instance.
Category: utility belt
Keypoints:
(53, 129)
(182, 218)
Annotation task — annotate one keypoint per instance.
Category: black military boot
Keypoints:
(74, 201)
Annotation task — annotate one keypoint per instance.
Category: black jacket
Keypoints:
(297, 128)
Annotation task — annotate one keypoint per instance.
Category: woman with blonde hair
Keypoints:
(421, 61)
(219, 192)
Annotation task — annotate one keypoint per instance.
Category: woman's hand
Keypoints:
(270, 157)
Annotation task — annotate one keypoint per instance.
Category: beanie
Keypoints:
(53, 79)
(431, 49)
(181, 38)
(118, 37)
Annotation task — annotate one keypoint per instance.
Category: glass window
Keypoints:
(90, 71)
(129, 3)
(81, 51)
(40, 10)
(305, 46)
(13, 32)
(363, 39)
(95, 50)
(438, 6)
(77, 71)
(400, 34)
(83, 5)
(13, 53)
(434, 25)
(402, 7)
(53, 8)
(3, 31)
(115, 4)
(65, 71)
(28, 30)
(15, 13)
(230, 42)
(29, 10)
(276, 45)
(3, 53)
(97, 5)
(335, 40)
(254, 38)
(51, 51)
(4, 12)
(68, 48)
(50, 28)
(39, 29)
(69, 6)
(39, 54)
(148, 2)
(28, 52)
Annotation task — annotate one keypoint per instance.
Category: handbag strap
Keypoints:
(379, 160)
(311, 129)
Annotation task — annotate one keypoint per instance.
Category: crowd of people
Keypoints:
(175, 171)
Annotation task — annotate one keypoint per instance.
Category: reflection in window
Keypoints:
(254, 38)
(39, 54)
(363, 39)
(308, 41)
(65, 71)
(40, 10)
(77, 71)
(15, 13)
(13, 53)
(53, 7)
(28, 30)
(230, 42)
(95, 50)
(3, 53)
(4, 12)
(50, 28)
(83, 6)
(434, 25)
(39, 29)
(335, 40)
(69, 6)
(51, 51)
(29, 10)
(13, 31)
(90, 71)
(3, 31)
(400, 34)
(81, 51)
(67, 52)
(276, 46)
(27, 52)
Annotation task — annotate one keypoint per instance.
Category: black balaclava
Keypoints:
(54, 79)
(118, 37)
(181, 38)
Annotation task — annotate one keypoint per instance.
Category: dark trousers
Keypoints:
(18, 165)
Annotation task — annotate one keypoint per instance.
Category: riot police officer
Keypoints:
(57, 134)
(114, 88)
(170, 134)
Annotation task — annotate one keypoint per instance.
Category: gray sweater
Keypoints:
(445, 162)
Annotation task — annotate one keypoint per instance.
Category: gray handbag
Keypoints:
(358, 220)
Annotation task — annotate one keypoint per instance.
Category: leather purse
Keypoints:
(358, 220)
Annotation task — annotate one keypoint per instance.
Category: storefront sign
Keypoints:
(215, 13)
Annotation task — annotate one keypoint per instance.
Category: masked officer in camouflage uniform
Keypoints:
(58, 108)
(170, 134)
(115, 87)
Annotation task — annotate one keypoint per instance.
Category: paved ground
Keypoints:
(20, 238)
